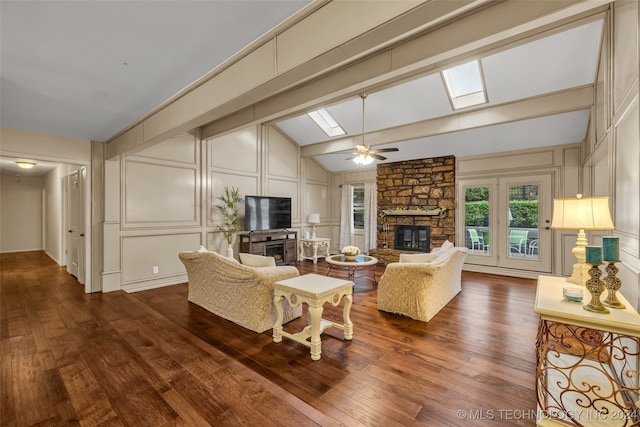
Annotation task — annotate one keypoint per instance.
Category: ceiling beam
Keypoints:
(482, 31)
(559, 102)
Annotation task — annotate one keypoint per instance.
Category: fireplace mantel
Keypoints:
(415, 212)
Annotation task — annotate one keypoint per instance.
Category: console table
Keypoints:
(314, 248)
(587, 363)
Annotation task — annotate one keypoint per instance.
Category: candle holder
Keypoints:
(595, 287)
(612, 283)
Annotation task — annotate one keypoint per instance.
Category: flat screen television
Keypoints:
(267, 213)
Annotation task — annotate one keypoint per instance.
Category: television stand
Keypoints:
(280, 244)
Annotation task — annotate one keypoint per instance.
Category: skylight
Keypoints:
(465, 85)
(327, 123)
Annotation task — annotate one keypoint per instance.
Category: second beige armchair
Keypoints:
(421, 289)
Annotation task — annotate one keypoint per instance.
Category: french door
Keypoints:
(506, 221)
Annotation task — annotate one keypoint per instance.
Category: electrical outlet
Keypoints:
(155, 269)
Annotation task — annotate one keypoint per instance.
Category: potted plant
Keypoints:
(229, 209)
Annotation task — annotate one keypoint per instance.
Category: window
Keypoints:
(358, 207)
(327, 123)
(465, 85)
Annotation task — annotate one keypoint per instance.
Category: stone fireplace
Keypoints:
(415, 197)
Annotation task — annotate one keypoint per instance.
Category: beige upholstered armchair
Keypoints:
(236, 292)
(421, 289)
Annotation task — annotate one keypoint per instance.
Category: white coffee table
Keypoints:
(314, 290)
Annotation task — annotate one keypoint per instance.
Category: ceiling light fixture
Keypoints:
(25, 165)
(364, 156)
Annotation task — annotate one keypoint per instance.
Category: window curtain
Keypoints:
(346, 217)
(370, 216)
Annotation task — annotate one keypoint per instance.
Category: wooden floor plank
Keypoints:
(153, 358)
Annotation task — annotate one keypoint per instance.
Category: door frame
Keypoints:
(86, 208)
(493, 262)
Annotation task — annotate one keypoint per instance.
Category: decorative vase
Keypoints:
(229, 252)
(350, 257)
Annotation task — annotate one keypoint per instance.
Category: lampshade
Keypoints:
(314, 218)
(582, 213)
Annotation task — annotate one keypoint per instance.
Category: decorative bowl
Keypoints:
(572, 294)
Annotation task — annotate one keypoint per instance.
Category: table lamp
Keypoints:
(314, 219)
(581, 213)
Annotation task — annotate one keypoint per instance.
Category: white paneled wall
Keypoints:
(153, 210)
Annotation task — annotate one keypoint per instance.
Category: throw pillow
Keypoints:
(203, 249)
(411, 258)
(447, 245)
(252, 260)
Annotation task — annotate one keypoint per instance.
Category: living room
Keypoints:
(155, 193)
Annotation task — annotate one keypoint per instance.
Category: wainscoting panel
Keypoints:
(314, 172)
(146, 200)
(141, 253)
(316, 200)
(625, 51)
(627, 197)
(181, 149)
(282, 156)
(520, 161)
(236, 151)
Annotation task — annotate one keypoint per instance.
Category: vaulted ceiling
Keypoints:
(89, 69)
(542, 70)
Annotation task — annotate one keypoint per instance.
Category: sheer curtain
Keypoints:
(346, 217)
(370, 216)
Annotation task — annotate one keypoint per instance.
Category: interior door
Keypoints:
(73, 223)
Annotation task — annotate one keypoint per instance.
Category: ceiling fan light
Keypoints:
(25, 165)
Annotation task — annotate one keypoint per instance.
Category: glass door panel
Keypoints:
(526, 236)
(477, 224)
(479, 220)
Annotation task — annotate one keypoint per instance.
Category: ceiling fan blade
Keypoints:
(377, 156)
(385, 150)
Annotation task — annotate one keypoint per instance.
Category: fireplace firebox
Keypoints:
(412, 238)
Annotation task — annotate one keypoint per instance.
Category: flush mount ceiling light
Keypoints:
(25, 165)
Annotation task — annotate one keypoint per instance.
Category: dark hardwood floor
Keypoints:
(152, 358)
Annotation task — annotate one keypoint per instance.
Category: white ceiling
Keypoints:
(89, 69)
(560, 61)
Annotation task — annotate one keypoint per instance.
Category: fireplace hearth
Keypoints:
(412, 238)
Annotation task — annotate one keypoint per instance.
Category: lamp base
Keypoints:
(580, 274)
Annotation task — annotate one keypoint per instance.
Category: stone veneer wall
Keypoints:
(416, 184)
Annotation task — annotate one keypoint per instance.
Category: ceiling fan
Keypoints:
(364, 154)
(363, 151)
